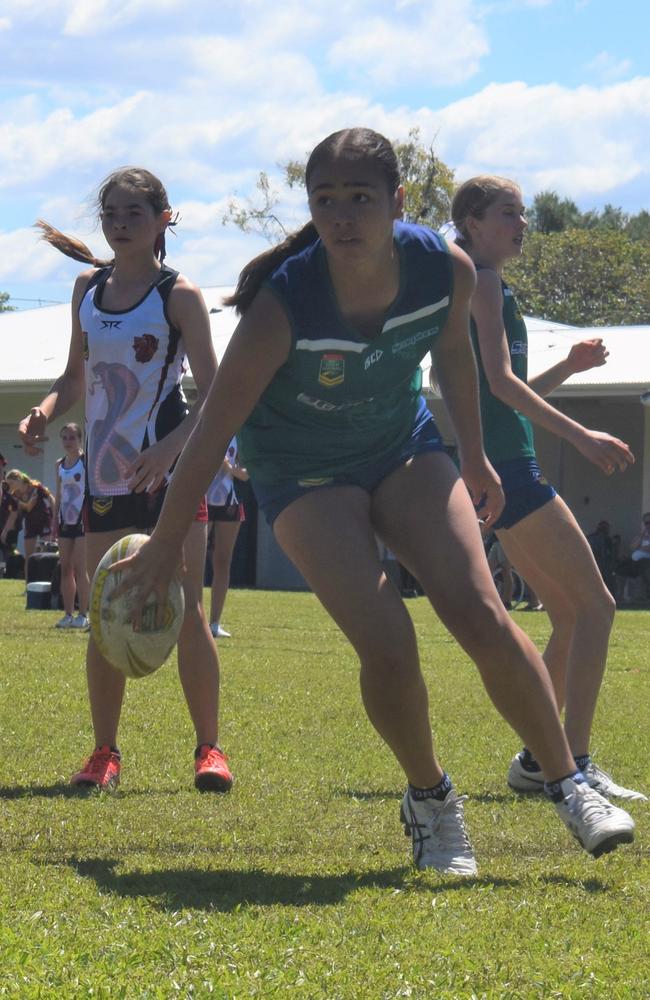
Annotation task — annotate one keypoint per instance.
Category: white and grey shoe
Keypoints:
(218, 632)
(438, 832)
(81, 622)
(597, 824)
(522, 780)
(605, 784)
(66, 622)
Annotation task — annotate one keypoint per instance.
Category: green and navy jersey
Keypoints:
(340, 401)
(507, 433)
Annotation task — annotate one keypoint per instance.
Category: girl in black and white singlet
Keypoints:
(226, 514)
(68, 511)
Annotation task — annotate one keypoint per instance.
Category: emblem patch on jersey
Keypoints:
(102, 505)
(519, 347)
(145, 347)
(332, 369)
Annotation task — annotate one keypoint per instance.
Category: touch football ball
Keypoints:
(135, 654)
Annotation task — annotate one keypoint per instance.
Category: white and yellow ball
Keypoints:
(135, 654)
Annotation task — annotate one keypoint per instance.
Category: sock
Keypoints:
(528, 762)
(113, 750)
(439, 791)
(554, 788)
(582, 761)
(198, 749)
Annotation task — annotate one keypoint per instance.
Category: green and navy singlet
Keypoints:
(507, 433)
(339, 399)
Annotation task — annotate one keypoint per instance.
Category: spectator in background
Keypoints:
(36, 504)
(602, 546)
(70, 487)
(9, 516)
(225, 514)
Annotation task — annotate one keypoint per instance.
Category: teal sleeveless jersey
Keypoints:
(507, 433)
(340, 401)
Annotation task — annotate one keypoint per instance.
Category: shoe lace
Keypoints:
(97, 761)
(212, 757)
(451, 823)
(590, 804)
(597, 772)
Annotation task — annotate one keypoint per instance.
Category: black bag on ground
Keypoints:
(41, 567)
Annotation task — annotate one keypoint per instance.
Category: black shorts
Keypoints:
(72, 531)
(226, 512)
(132, 510)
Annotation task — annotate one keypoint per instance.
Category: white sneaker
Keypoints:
(522, 780)
(218, 632)
(66, 622)
(81, 621)
(596, 823)
(438, 832)
(605, 784)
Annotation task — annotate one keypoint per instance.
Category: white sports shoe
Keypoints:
(81, 621)
(522, 780)
(438, 832)
(66, 622)
(596, 823)
(605, 784)
(218, 632)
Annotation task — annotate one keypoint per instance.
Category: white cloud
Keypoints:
(5, 23)
(441, 42)
(584, 142)
(608, 68)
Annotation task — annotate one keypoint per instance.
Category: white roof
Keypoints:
(35, 348)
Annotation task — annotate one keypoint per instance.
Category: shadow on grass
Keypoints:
(590, 885)
(65, 790)
(227, 890)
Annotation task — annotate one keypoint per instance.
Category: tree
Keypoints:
(428, 185)
(551, 214)
(4, 303)
(594, 277)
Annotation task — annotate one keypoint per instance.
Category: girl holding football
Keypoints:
(323, 377)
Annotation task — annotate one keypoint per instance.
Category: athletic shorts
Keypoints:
(132, 510)
(273, 498)
(226, 512)
(38, 522)
(72, 531)
(525, 490)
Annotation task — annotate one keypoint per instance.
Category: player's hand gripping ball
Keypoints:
(135, 654)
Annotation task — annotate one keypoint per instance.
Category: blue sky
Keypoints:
(555, 93)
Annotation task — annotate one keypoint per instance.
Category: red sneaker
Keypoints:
(211, 771)
(101, 770)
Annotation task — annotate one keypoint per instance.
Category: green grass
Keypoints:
(300, 880)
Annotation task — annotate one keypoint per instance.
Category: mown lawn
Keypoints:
(299, 882)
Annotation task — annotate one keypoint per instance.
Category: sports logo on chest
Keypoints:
(519, 347)
(372, 359)
(111, 324)
(332, 369)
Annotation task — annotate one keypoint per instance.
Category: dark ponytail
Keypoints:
(69, 245)
(254, 273)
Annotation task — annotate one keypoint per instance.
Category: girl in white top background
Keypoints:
(69, 528)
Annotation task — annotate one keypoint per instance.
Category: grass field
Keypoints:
(299, 882)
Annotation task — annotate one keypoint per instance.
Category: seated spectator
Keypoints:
(602, 546)
(638, 563)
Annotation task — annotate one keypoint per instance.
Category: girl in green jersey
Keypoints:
(357, 292)
(538, 532)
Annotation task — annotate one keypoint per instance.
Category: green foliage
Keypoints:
(551, 214)
(298, 883)
(595, 277)
(4, 303)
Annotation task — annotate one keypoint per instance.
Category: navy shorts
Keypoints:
(273, 498)
(131, 510)
(525, 490)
